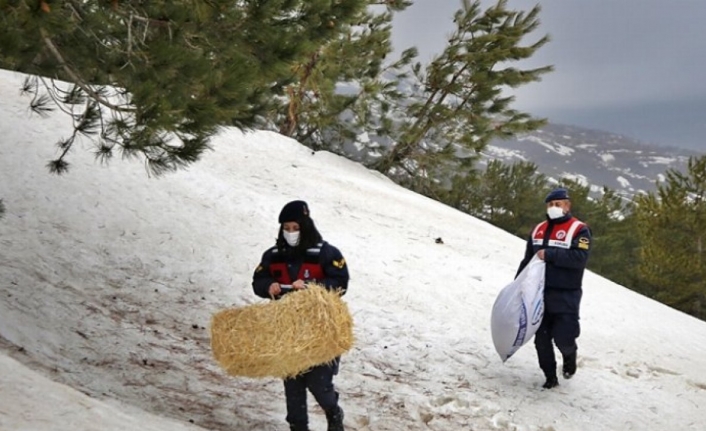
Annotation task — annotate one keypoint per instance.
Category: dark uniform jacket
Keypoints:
(566, 242)
(323, 264)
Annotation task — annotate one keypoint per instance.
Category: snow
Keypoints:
(624, 182)
(32, 402)
(581, 179)
(659, 160)
(495, 152)
(607, 157)
(361, 141)
(109, 280)
(562, 150)
(593, 188)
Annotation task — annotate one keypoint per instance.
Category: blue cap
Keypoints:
(557, 195)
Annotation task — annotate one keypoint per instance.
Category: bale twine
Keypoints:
(282, 338)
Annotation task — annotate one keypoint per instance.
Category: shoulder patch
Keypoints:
(584, 243)
(339, 263)
(259, 268)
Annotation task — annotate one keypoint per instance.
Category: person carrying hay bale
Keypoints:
(301, 257)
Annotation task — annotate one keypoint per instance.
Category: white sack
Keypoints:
(518, 310)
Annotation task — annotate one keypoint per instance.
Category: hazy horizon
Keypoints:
(641, 121)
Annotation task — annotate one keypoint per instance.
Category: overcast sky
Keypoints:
(633, 65)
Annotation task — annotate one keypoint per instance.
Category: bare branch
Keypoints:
(129, 37)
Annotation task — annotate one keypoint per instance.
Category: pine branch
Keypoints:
(40, 104)
(76, 79)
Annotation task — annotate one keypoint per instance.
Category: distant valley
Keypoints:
(594, 158)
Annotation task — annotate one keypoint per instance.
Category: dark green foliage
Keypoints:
(158, 78)
(508, 196)
(615, 247)
(425, 125)
(671, 224)
(336, 89)
(457, 104)
(394, 5)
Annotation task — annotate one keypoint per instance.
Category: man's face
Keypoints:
(564, 204)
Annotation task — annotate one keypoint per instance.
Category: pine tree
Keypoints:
(507, 196)
(337, 92)
(671, 224)
(457, 104)
(615, 247)
(158, 78)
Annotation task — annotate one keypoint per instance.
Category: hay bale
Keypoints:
(282, 338)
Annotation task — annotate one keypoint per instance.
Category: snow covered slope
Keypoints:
(108, 280)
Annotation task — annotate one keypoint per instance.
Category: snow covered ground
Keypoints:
(108, 280)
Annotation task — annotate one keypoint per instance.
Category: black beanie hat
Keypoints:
(557, 195)
(294, 211)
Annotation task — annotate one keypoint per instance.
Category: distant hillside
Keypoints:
(595, 158)
(676, 122)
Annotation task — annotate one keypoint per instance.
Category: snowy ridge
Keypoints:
(598, 158)
(109, 280)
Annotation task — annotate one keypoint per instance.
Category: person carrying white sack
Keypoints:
(563, 242)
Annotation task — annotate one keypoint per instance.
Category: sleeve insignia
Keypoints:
(339, 263)
(259, 268)
(583, 243)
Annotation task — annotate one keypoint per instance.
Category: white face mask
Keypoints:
(555, 212)
(292, 238)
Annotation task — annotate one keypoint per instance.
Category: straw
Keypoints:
(282, 338)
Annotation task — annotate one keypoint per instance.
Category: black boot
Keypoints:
(551, 382)
(335, 419)
(569, 367)
(298, 427)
